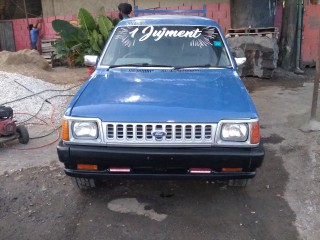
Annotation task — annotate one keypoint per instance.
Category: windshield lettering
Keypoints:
(166, 46)
(132, 33)
(164, 32)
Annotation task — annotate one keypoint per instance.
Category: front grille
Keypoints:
(155, 134)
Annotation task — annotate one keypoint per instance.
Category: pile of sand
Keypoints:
(30, 58)
(31, 63)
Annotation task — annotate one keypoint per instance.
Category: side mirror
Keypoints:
(240, 61)
(90, 60)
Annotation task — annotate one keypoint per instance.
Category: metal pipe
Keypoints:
(299, 33)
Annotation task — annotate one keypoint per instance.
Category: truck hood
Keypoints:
(162, 95)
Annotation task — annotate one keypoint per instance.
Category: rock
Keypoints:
(261, 53)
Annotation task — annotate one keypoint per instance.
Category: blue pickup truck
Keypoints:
(165, 101)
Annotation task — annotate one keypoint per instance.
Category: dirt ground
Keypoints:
(37, 200)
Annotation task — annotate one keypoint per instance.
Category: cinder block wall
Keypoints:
(170, 3)
(66, 8)
(217, 11)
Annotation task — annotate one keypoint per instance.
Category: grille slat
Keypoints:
(198, 132)
(119, 132)
(159, 134)
(110, 131)
(129, 130)
(139, 132)
(188, 132)
(208, 134)
(169, 132)
(179, 132)
(149, 130)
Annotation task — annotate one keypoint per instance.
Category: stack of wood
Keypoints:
(47, 50)
(259, 46)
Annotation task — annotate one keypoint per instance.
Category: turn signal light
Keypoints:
(87, 167)
(65, 130)
(231, 169)
(255, 133)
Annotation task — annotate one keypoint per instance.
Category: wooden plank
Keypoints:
(253, 30)
(258, 33)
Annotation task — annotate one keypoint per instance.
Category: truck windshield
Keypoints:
(167, 46)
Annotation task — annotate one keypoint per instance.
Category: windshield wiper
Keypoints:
(163, 65)
(195, 66)
(139, 65)
(126, 65)
(201, 66)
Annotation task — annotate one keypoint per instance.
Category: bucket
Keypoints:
(90, 70)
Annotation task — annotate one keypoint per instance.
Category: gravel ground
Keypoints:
(27, 96)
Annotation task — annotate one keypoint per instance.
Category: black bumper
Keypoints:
(160, 162)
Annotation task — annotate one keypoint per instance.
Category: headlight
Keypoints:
(85, 130)
(237, 132)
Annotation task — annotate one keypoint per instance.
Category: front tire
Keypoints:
(83, 183)
(23, 134)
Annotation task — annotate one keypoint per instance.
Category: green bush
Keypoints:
(88, 38)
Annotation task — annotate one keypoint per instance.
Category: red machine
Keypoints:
(9, 130)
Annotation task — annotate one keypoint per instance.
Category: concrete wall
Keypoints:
(143, 4)
(218, 11)
(64, 8)
(257, 14)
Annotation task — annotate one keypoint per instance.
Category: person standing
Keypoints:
(124, 10)
(34, 33)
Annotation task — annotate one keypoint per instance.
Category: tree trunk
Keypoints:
(288, 35)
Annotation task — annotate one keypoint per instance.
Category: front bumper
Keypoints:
(160, 162)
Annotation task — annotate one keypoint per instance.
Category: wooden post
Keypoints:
(288, 35)
(25, 9)
(316, 85)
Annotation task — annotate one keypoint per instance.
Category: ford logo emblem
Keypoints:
(159, 134)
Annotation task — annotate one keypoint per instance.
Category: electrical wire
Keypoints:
(42, 122)
(46, 135)
(53, 127)
(35, 115)
(35, 94)
(45, 101)
(26, 88)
